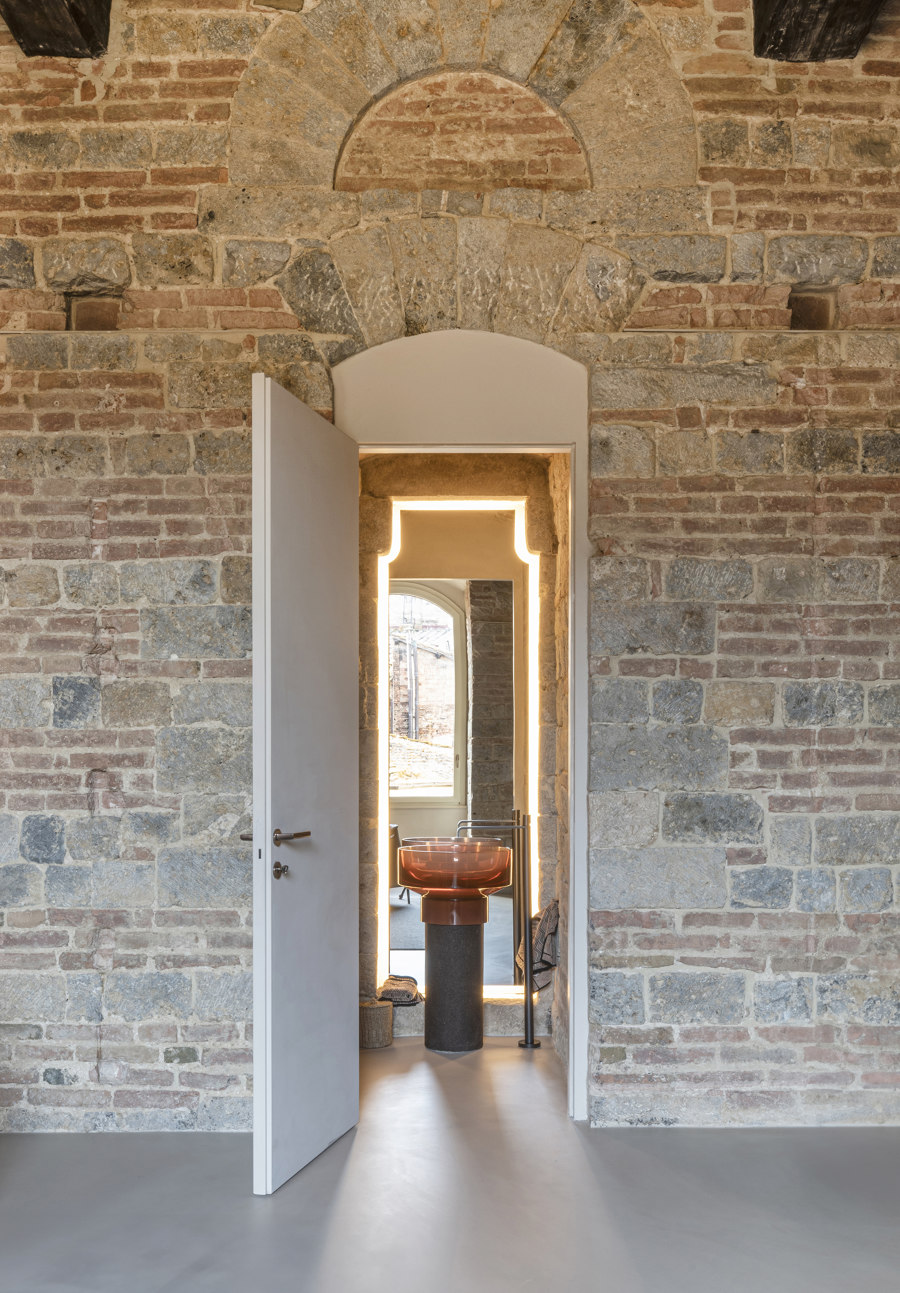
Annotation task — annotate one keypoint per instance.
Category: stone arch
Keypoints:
(461, 130)
(314, 74)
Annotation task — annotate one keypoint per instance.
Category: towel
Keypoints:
(543, 946)
(402, 989)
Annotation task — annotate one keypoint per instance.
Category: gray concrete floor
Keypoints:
(464, 1174)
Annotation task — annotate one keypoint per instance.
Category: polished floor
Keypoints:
(464, 1174)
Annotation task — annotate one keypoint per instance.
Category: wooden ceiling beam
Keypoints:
(59, 28)
(810, 31)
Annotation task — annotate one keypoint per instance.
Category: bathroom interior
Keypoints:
(464, 673)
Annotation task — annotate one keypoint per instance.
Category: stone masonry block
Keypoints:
(195, 633)
(678, 258)
(859, 998)
(172, 258)
(626, 818)
(787, 579)
(215, 702)
(867, 838)
(735, 704)
(618, 700)
(822, 704)
(639, 387)
(205, 877)
(85, 264)
(76, 701)
(621, 451)
(43, 838)
(761, 886)
(24, 702)
(666, 758)
(20, 885)
(790, 840)
(619, 579)
(783, 1001)
(712, 819)
(751, 453)
(119, 885)
(884, 706)
(167, 583)
(139, 995)
(822, 451)
(210, 759)
(157, 455)
(815, 890)
(658, 628)
(68, 886)
(662, 876)
(237, 580)
(691, 579)
(32, 585)
(867, 889)
(248, 261)
(697, 998)
(136, 704)
(312, 287)
(226, 453)
(90, 839)
(223, 996)
(9, 838)
(616, 998)
(91, 584)
(16, 264)
(677, 700)
(848, 579)
(816, 259)
(32, 997)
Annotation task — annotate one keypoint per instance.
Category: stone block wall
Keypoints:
(743, 517)
(489, 621)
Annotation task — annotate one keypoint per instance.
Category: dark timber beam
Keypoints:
(809, 31)
(59, 28)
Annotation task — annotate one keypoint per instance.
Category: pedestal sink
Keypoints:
(454, 877)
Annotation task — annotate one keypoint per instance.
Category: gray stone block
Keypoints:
(205, 877)
(196, 633)
(91, 838)
(236, 580)
(616, 998)
(24, 702)
(621, 451)
(16, 264)
(223, 996)
(639, 387)
(678, 258)
(659, 628)
(618, 700)
(172, 258)
(849, 579)
(221, 817)
(664, 876)
(665, 758)
(677, 700)
(68, 886)
(156, 455)
(815, 890)
(167, 583)
(747, 257)
(203, 759)
(32, 585)
(783, 1001)
(9, 838)
(226, 1114)
(867, 889)
(823, 451)
(85, 264)
(713, 819)
(248, 261)
(139, 995)
(859, 998)
(117, 149)
(619, 579)
(770, 887)
(886, 258)
(823, 704)
(749, 453)
(150, 828)
(20, 885)
(123, 885)
(787, 579)
(99, 350)
(43, 838)
(629, 818)
(91, 584)
(312, 287)
(84, 997)
(691, 579)
(224, 453)
(76, 455)
(697, 998)
(210, 386)
(136, 704)
(871, 838)
(32, 997)
(790, 841)
(215, 702)
(881, 454)
(76, 701)
(884, 705)
(816, 259)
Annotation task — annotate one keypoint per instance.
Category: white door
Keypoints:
(305, 778)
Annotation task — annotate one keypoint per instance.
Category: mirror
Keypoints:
(456, 650)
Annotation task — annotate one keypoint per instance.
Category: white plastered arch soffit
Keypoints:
(478, 392)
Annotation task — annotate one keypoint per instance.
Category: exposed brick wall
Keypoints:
(743, 515)
(462, 130)
(489, 621)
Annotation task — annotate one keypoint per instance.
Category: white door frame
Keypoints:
(477, 392)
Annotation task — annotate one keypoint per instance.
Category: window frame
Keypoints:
(426, 592)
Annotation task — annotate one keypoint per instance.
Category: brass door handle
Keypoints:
(279, 837)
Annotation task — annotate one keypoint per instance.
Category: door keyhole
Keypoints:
(279, 869)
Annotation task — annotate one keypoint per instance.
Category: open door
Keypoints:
(305, 784)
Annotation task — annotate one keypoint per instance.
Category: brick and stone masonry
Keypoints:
(744, 513)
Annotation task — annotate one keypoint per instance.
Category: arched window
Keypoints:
(427, 693)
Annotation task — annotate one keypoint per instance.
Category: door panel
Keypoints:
(305, 778)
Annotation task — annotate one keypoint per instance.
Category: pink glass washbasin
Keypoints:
(454, 876)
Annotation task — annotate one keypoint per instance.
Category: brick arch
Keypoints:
(461, 130)
(315, 74)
